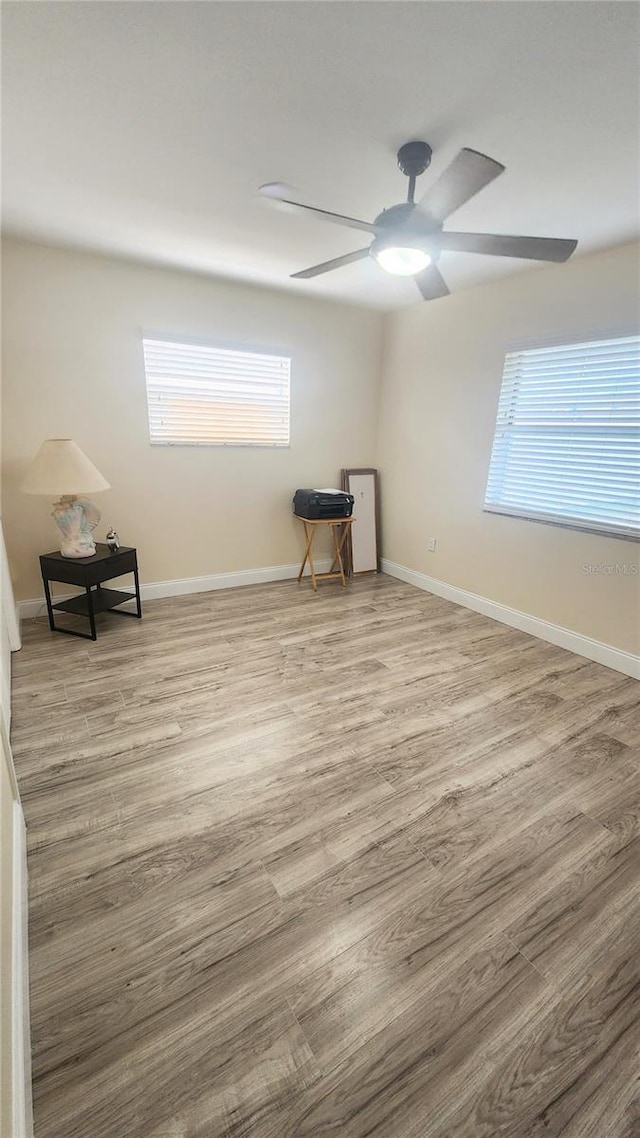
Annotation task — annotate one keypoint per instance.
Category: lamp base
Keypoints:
(76, 518)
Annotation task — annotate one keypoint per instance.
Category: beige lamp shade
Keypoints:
(61, 468)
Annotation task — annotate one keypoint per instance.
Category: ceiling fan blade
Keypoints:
(501, 245)
(431, 283)
(336, 263)
(469, 172)
(272, 191)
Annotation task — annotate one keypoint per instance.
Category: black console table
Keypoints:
(90, 572)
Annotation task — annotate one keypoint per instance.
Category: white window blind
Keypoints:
(567, 440)
(199, 395)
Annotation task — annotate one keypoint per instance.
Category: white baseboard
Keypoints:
(602, 653)
(21, 1034)
(184, 585)
(553, 633)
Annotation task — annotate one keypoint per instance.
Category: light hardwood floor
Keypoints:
(360, 863)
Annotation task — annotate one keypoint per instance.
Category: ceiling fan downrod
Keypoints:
(413, 159)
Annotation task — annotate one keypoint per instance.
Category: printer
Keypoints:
(321, 505)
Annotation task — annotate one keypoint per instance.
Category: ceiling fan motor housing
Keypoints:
(394, 215)
(397, 230)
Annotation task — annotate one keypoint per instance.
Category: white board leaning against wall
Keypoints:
(364, 554)
(9, 634)
(16, 1119)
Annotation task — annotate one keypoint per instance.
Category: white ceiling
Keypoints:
(145, 129)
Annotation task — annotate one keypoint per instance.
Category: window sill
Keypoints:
(565, 523)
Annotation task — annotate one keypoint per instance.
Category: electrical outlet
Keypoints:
(432, 545)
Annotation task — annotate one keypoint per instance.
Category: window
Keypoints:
(567, 441)
(199, 395)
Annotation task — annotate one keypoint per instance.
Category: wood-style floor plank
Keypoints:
(356, 863)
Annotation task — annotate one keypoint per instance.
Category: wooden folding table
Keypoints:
(336, 573)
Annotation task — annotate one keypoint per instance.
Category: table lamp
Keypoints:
(61, 468)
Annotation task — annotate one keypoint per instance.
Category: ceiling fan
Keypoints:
(408, 238)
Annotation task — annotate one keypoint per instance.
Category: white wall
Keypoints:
(441, 380)
(73, 366)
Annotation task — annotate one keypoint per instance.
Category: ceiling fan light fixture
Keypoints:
(402, 260)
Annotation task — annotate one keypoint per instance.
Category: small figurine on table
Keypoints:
(113, 541)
